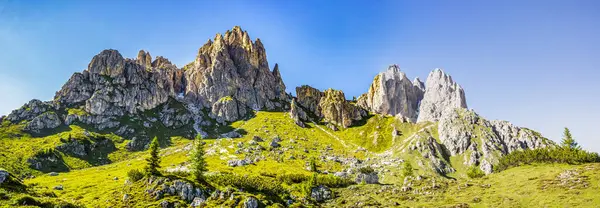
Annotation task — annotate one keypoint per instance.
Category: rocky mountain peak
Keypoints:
(233, 65)
(441, 94)
(392, 93)
(144, 58)
(108, 62)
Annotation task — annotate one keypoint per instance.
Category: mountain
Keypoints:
(409, 138)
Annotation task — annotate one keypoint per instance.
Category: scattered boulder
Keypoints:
(239, 163)
(250, 202)
(257, 139)
(59, 187)
(47, 120)
(275, 144)
(321, 193)
(3, 175)
(368, 178)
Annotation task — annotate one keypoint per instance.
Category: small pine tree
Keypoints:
(407, 169)
(153, 161)
(198, 161)
(568, 141)
(313, 165)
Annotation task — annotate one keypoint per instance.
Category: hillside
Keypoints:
(401, 144)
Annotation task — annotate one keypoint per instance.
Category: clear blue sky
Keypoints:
(534, 63)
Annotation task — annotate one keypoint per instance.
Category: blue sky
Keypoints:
(534, 63)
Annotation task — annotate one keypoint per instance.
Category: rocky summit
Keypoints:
(222, 131)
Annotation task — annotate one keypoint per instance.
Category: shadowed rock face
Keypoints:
(393, 93)
(441, 94)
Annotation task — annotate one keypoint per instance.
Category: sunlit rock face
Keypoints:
(234, 65)
(392, 93)
(441, 94)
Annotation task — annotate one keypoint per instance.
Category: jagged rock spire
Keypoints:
(441, 94)
(392, 93)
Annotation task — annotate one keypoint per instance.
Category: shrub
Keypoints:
(198, 161)
(366, 170)
(332, 181)
(546, 155)
(407, 169)
(135, 175)
(26, 201)
(260, 184)
(313, 165)
(153, 161)
(475, 172)
(292, 178)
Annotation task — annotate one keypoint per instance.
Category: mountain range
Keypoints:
(108, 114)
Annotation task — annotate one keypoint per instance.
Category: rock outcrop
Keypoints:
(392, 93)
(297, 113)
(441, 94)
(330, 106)
(461, 130)
(234, 65)
(47, 120)
(337, 110)
(309, 98)
(228, 109)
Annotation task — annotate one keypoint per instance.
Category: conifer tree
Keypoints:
(568, 141)
(198, 161)
(153, 161)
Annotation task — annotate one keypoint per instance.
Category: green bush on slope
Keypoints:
(546, 155)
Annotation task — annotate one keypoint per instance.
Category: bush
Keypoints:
(292, 178)
(326, 180)
(27, 201)
(546, 155)
(475, 172)
(407, 169)
(268, 186)
(366, 170)
(332, 181)
(135, 175)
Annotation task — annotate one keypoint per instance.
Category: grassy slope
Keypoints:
(527, 186)
(97, 187)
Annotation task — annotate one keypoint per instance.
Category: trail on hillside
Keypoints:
(331, 135)
(405, 142)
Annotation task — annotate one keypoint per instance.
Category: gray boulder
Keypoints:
(47, 120)
(321, 193)
(3, 176)
(250, 202)
(368, 178)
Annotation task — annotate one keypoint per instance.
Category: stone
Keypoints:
(47, 120)
(321, 193)
(297, 114)
(392, 93)
(59, 187)
(257, 139)
(53, 174)
(227, 109)
(275, 144)
(309, 98)
(125, 197)
(441, 94)
(338, 111)
(197, 202)
(250, 202)
(368, 178)
(3, 176)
